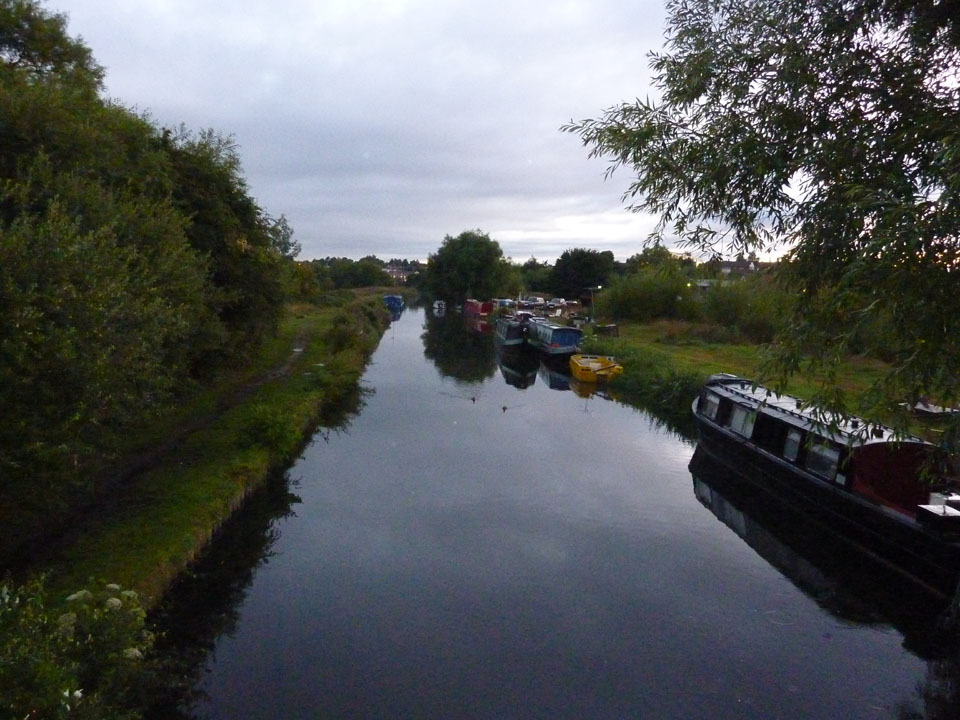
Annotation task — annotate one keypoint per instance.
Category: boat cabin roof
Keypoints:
(794, 411)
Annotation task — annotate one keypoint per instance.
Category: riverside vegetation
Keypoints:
(144, 315)
(89, 655)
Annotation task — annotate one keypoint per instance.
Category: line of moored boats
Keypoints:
(545, 334)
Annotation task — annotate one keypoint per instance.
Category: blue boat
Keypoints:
(394, 302)
(395, 305)
(553, 339)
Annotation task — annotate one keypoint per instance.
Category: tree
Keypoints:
(244, 246)
(578, 269)
(828, 131)
(469, 265)
(657, 257)
(536, 275)
(36, 42)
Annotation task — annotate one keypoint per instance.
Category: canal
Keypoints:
(482, 540)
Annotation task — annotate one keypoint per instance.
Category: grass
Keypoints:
(151, 528)
(666, 362)
(677, 345)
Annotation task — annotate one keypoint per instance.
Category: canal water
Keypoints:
(482, 539)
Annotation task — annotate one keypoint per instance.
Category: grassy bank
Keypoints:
(665, 362)
(245, 427)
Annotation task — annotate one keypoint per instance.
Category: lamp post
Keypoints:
(593, 311)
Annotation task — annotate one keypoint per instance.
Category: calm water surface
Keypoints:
(469, 547)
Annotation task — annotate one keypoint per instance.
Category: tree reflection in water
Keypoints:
(203, 604)
(459, 350)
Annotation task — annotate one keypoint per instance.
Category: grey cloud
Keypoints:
(381, 126)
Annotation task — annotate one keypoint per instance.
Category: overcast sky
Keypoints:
(381, 126)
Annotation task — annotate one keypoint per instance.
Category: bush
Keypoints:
(88, 658)
(649, 295)
(754, 306)
(271, 428)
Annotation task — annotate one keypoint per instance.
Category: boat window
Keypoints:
(822, 459)
(711, 403)
(791, 448)
(741, 421)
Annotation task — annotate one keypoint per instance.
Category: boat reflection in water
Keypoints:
(555, 373)
(842, 576)
(518, 365)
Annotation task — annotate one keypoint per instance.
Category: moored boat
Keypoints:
(594, 368)
(553, 339)
(865, 478)
(394, 303)
(476, 308)
(510, 331)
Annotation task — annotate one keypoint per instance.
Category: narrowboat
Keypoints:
(477, 309)
(865, 479)
(393, 302)
(594, 368)
(833, 572)
(510, 331)
(553, 339)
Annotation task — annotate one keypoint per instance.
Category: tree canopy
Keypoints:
(468, 265)
(826, 131)
(579, 269)
(133, 261)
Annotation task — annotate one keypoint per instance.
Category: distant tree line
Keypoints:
(472, 265)
(133, 261)
(313, 278)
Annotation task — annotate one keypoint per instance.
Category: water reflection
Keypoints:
(457, 350)
(555, 373)
(518, 366)
(204, 603)
(853, 585)
(455, 559)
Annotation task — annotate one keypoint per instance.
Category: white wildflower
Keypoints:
(129, 594)
(80, 595)
(113, 587)
(132, 654)
(114, 603)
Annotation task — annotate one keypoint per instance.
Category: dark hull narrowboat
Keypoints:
(553, 339)
(869, 483)
(394, 303)
(510, 332)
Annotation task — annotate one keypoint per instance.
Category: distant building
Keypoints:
(741, 267)
(398, 274)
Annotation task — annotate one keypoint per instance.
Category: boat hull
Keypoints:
(557, 340)
(510, 333)
(911, 548)
(594, 368)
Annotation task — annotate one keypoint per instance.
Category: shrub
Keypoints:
(649, 295)
(271, 428)
(88, 658)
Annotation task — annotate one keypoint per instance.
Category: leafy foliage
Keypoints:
(469, 265)
(87, 658)
(132, 261)
(828, 130)
(578, 269)
(649, 295)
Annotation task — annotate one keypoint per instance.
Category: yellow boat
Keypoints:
(594, 368)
